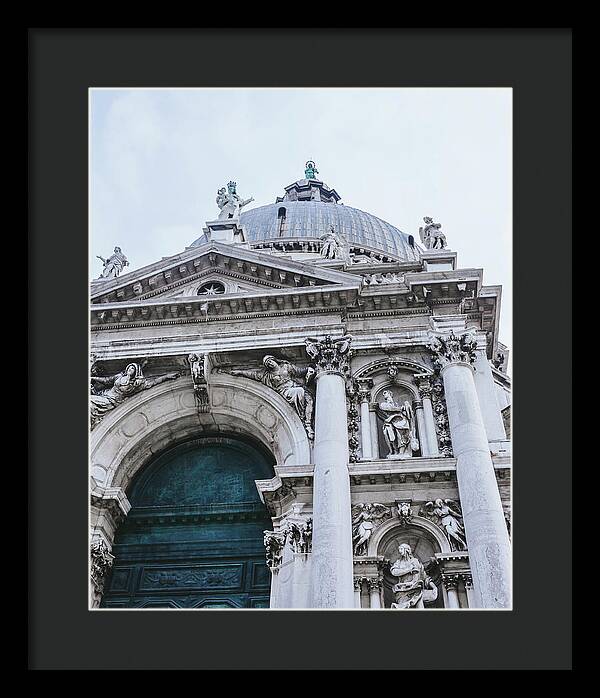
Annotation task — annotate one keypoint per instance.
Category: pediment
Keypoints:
(237, 269)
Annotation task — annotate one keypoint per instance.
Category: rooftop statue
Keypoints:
(113, 266)
(431, 235)
(230, 202)
(311, 170)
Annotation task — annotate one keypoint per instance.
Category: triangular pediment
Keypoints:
(229, 269)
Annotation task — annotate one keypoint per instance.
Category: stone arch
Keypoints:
(393, 527)
(147, 423)
(379, 365)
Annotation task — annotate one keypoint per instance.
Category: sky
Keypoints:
(157, 158)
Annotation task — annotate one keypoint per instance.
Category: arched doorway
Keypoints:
(194, 535)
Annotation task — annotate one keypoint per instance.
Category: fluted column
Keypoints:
(487, 537)
(332, 555)
(451, 585)
(429, 430)
(364, 397)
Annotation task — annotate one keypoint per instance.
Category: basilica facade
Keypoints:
(305, 408)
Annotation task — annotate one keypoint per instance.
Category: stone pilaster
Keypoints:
(332, 563)
(483, 517)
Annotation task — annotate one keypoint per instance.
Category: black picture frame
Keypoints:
(63, 64)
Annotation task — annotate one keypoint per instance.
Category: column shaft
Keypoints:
(332, 554)
(421, 428)
(375, 597)
(365, 430)
(430, 430)
(487, 537)
(488, 401)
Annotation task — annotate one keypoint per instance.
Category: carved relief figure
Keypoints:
(414, 586)
(431, 235)
(450, 519)
(111, 391)
(197, 364)
(114, 265)
(365, 519)
(399, 428)
(290, 382)
(230, 202)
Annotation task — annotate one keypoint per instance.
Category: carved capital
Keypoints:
(274, 543)
(374, 584)
(299, 535)
(451, 349)
(424, 385)
(101, 562)
(329, 355)
(451, 581)
(363, 389)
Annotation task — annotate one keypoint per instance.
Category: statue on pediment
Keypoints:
(114, 265)
(414, 586)
(230, 202)
(109, 392)
(290, 381)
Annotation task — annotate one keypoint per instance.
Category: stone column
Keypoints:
(469, 590)
(423, 442)
(374, 434)
(488, 402)
(364, 396)
(429, 430)
(451, 585)
(357, 591)
(374, 586)
(332, 554)
(487, 537)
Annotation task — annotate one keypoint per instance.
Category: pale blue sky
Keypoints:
(159, 156)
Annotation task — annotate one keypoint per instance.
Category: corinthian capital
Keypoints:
(330, 355)
(449, 349)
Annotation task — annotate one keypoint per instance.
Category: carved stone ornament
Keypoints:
(448, 516)
(441, 419)
(110, 391)
(198, 373)
(292, 382)
(404, 512)
(330, 355)
(352, 415)
(101, 562)
(299, 535)
(448, 349)
(274, 543)
(366, 518)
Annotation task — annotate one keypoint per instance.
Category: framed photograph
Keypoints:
(297, 415)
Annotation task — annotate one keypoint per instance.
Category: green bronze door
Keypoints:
(194, 535)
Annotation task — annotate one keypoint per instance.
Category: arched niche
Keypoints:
(151, 421)
(425, 540)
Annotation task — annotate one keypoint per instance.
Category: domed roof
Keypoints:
(312, 219)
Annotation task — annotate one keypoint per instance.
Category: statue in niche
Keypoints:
(290, 381)
(414, 586)
(114, 265)
(364, 521)
(230, 202)
(450, 519)
(431, 235)
(399, 428)
(109, 392)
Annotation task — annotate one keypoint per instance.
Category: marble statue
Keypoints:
(431, 235)
(114, 265)
(364, 522)
(109, 392)
(230, 202)
(399, 428)
(414, 586)
(290, 382)
(311, 170)
(331, 244)
(450, 520)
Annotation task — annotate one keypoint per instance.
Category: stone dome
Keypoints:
(310, 208)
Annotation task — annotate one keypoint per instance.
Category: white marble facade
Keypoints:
(381, 407)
